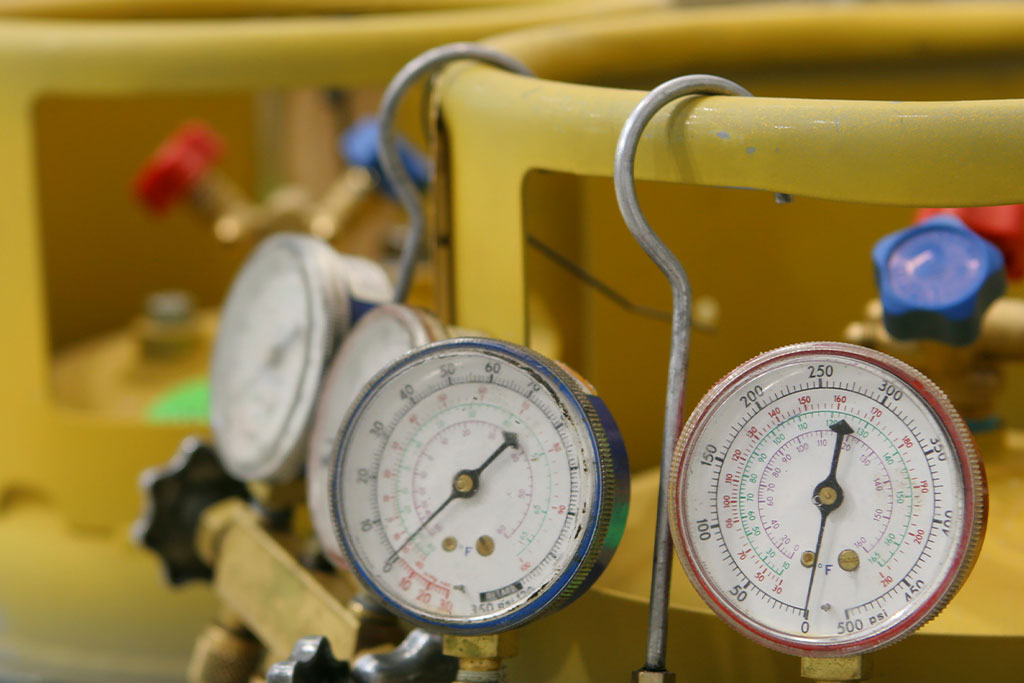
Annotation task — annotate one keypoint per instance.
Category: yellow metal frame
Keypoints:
(898, 153)
(39, 58)
(95, 9)
(76, 596)
(534, 154)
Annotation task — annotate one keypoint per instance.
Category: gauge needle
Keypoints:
(828, 495)
(464, 485)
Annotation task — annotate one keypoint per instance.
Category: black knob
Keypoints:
(176, 495)
(311, 662)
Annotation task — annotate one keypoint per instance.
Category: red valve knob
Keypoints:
(1001, 225)
(177, 165)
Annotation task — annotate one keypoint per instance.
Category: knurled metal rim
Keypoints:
(607, 495)
(975, 500)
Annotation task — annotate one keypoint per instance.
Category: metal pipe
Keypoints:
(629, 205)
(387, 145)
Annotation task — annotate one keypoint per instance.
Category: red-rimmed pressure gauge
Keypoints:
(827, 499)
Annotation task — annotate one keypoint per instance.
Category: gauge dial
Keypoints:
(478, 485)
(826, 499)
(379, 338)
(280, 324)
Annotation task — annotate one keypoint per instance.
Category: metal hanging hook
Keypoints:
(625, 193)
(387, 145)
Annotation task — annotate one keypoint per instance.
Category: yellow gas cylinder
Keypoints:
(861, 112)
(86, 90)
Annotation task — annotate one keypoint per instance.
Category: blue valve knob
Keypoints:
(358, 145)
(936, 279)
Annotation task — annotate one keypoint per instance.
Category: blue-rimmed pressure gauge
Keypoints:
(478, 485)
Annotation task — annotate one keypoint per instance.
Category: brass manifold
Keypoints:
(291, 207)
(269, 600)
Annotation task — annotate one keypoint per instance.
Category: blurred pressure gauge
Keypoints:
(478, 485)
(379, 338)
(826, 499)
(284, 315)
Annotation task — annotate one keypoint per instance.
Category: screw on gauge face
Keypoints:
(449, 543)
(828, 496)
(807, 559)
(849, 560)
(464, 483)
(485, 545)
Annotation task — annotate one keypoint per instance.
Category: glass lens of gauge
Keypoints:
(471, 492)
(380, 337)
(273, 341)
(826, 499)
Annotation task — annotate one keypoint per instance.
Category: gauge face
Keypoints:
(826, 499)
(476, 486)
(277, 328)
(380, 337)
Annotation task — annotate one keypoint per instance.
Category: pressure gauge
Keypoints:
(379, 338)
(283, 318)
(826, 499)
(478, 485)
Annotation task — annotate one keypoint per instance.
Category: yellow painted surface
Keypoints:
(93, 9)
(129, 66)
(867, 111)
(829, 129)
(80, 606)
(526, 155)
(81, 104)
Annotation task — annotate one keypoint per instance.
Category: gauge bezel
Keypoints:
(975, 499)
(610, 502)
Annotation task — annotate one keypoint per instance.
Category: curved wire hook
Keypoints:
(625, 193)
(387, 145)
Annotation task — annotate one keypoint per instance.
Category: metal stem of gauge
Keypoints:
(387, 144)
(629, 205)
